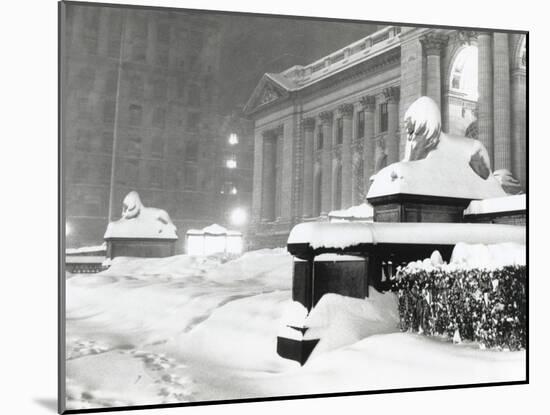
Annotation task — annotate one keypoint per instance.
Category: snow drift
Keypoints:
(182, 329)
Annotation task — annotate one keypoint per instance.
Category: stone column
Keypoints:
(269, 176)
(369, 104)
(433, 43)
(279, 168)
(308, 125)
(501, 103)
(392, 137)
(326, 162)
(485, 88)
(519, 131)
(346, 112)
(257, 184)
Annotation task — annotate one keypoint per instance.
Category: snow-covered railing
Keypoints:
(325, 236)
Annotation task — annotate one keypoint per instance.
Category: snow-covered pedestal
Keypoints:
(338, 274)
(85, 260)
(438, 177)
(141, 232)
(359, 213)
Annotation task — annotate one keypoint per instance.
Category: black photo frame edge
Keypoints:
(61, 219)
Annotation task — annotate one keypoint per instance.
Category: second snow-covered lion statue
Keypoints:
(141, 221)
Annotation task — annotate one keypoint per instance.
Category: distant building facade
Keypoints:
(322, 130)
(141, 113)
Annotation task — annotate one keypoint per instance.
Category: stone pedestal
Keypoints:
(140, 247)
(344, 277)
(293, 349)
(418, 208)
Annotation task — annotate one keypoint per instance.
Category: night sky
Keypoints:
(254, 45)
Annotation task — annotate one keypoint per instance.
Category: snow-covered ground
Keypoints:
(179, 329)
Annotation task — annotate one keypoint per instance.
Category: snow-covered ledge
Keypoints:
(341, 236)
(360, 213)
(509, 210)
(515, 203)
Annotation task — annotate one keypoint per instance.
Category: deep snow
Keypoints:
(179, 329)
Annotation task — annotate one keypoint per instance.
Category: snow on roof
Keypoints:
(213, 229)
(497, 204)
(86, 249)
(84, 259)
(299, 77)
(445, 172)
(362, 211)
(345, 234)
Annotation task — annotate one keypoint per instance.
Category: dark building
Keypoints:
(149, 104)
(144, 85)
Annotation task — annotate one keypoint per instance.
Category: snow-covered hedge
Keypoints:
(484, 305)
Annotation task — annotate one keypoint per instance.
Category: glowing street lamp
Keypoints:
(238, 217)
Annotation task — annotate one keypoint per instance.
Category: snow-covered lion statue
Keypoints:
(436, 163)
(141, 221)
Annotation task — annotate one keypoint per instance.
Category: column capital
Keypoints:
(346, 110)
(308, 124)
(433, 43)
(391, 94)
(326, 117)
(368, 103)
(466, 37)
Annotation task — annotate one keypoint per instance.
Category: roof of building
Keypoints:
(273, 86)
(213, 230)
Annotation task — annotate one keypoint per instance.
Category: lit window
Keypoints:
(233, 139)
(231, 163)
(233, 190)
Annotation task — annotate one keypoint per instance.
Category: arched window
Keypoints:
(464, 73)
